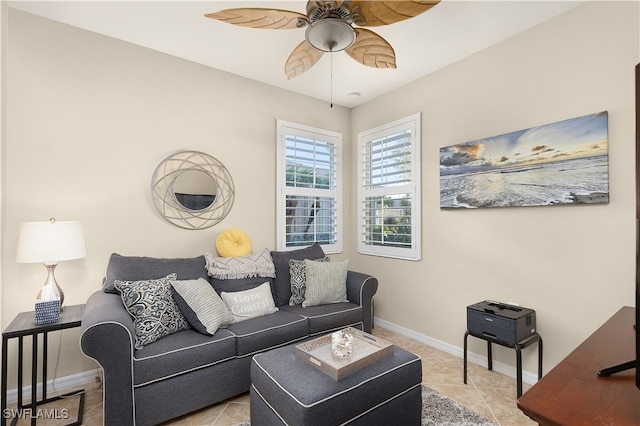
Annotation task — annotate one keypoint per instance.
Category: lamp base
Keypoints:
(51, 289)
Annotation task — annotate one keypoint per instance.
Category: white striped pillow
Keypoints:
(201, 305)
(326, 282)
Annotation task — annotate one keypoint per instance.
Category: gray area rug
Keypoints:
(439, 410)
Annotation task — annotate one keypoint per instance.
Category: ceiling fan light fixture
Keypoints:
(330, 35)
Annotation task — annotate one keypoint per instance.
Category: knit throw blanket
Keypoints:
(257, 264)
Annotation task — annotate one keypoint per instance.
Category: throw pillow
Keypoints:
(282, 282)
(154, 312)
(201, 305)
(233, 242)
(254, 265)
(298, 280)
(326, 283)
(250, 303)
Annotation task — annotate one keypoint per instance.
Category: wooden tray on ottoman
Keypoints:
(367, 349)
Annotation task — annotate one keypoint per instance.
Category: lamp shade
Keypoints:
(50, 242)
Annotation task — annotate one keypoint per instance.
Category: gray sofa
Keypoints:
(187, 370)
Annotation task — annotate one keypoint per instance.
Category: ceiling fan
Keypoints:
(332, 26)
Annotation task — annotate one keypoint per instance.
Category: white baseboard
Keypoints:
(508, 370)
(61, 384)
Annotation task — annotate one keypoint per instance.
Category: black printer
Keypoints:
(502, 321)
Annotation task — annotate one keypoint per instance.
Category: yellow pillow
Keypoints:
(233, 242)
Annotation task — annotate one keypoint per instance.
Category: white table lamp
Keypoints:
(49, 243)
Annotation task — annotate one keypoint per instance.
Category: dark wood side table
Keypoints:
(572, 393)
(23, 325)
(535, 337)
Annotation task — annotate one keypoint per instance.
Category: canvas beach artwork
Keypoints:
(565, 162)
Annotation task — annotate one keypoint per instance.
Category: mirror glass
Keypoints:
(195, 189)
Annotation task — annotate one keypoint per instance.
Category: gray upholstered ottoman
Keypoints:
(286, 390)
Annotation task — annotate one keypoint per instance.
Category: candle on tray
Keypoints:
(342, 344)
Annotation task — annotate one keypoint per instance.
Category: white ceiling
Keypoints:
(447, 33)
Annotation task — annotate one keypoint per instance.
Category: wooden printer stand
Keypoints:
(572, 393)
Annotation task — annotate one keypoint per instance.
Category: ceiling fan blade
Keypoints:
(261, 18)
(372, 50)
(377, 13)
(303, 57)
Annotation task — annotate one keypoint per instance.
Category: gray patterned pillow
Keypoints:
(298, 280)
(154, 312)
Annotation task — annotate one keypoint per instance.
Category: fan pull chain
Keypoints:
(331, 74)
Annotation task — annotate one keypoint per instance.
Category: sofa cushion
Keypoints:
(299, 280)
(201, 305)
(267, 332)
(282, 282)
(325, 283)
(326, 318)
(155, 313)
(135, 268)
(252, 303)
(257, 264)
(181, 353)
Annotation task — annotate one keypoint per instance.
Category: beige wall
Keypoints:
(575, 264)
(3, 127)
(89, 117)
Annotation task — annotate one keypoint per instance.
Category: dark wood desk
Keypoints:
(572, 393)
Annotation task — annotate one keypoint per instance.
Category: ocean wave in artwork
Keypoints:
(574, 181)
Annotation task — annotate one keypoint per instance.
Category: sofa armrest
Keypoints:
(361, 289)
(107, 337)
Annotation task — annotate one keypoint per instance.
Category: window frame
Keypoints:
(413, 188)
(285, 128)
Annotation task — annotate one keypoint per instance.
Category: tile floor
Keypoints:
(488, 393)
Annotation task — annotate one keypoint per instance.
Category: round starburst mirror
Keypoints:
(192, 190)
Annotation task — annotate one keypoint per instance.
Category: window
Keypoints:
(389, 190)
(309, 187)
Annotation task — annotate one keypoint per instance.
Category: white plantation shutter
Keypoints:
(389, 190)
(388, 161)
(309, 187)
